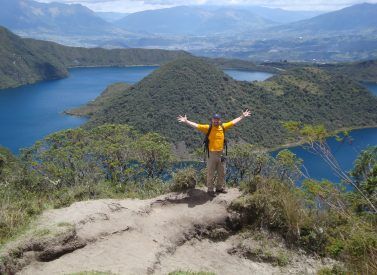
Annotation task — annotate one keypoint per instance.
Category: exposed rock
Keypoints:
(177, 231)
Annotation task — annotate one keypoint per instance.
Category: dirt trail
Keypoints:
(156, 236)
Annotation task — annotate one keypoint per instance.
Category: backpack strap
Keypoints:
(206, 140)
(225, 141)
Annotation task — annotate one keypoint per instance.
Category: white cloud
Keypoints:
(139, 5)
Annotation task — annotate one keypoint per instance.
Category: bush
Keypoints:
(365, 175)
(154, 153)
(360, 248)
(113, 153)
(272, 204)
(184, 179)
(79, 164)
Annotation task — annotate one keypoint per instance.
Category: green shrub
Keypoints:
(274, 205)
(360, 249)
(154, 153)
(75, 165)
(184, 179)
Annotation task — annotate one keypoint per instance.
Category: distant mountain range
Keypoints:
(53, 18)
(279, 15)
(208, 20)
(246, 32)
(24, 61)
(345, 35)
(111, 16)
(192, 20)
(354, 19)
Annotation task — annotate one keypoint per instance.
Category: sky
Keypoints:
(140, 5)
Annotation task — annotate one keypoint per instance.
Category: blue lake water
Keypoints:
(244, 75)
(371, 87)
(31, 112)
(345, 152)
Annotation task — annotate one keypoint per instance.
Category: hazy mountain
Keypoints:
(111, 16)
(193, 20)
(348, 34)
(246, 32)
(31, 16)
(24, 61)
(194, 87)
(357, 18)
(280, 15)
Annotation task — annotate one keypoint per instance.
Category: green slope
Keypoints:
(24, 61)
(361, 71)
(101, 101)
(194, 87)
(22, 64)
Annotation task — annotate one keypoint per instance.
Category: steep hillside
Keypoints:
(22, 64)
(26, 61)
(194, 87)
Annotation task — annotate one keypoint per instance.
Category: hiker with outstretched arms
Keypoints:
(215, 138)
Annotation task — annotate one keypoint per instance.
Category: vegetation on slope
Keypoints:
(361, 71)
(114, 161)
(21, 64)
(358, 71)
(192, 86)
(226, 63)
(110, 161)
(94, 106)
(25, 61)
(320, 217)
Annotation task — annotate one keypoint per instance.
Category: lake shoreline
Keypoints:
(332, 134)
(74, 67)
(113, 66)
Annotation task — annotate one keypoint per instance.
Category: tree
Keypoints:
(365, 173)
(80, 156)
(314, 140)
(154, 153)
(288, 166)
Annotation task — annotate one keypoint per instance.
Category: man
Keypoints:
(216, 136)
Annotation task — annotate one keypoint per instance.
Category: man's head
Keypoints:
(216, 119)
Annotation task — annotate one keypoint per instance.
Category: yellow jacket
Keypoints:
(216, 137)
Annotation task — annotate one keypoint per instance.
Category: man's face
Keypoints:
(216, 121)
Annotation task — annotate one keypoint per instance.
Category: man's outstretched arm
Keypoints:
(184, 120)
(238, 119)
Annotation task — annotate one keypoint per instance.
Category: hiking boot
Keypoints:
(221, 190)
(211, 193)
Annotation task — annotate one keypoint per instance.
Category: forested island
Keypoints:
(197, 88)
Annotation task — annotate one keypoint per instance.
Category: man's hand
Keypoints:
(182, 118)
(246, 113)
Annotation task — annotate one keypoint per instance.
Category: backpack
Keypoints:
(206, 141)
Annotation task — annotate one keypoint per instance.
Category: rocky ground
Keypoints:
(178, 231)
